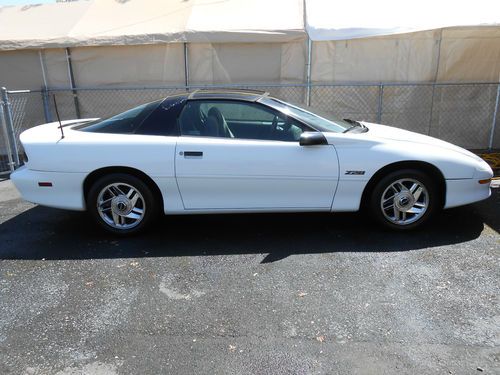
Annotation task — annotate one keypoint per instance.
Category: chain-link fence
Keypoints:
(461, 113)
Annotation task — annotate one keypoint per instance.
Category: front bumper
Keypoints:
(465, 191)
(66, 191)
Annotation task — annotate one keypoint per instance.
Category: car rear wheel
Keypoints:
(121, 203)
(404, 199)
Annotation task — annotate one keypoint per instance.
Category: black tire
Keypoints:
(430, 192)
(146, 202)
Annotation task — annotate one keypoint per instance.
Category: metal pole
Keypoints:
(10, 125)
(436, 74)
(380, 102)
(42, 66)
(432, 108)
(46, 105)
(72, 82)
(186, 66)
(308, 71)
(493, 125)
(6, 137)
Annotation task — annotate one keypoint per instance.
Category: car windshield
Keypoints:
(124, 123)
(320, 120)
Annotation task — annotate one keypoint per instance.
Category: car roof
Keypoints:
(233, 94)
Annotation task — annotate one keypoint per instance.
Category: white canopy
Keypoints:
(136, 42)
(341, 20)
(133, 22)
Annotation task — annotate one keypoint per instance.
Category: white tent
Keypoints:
(341, 20)
(395, 41)
(141, 42)
(133, 22)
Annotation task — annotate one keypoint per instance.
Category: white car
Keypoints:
(234, 152)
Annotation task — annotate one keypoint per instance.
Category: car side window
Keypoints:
(236, 119)
(124, 123)
(163, 120)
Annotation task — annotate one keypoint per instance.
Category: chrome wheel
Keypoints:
(404, 201)
(121, 206)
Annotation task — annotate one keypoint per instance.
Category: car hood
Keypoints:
(396, 134)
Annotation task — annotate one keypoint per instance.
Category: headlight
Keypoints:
(483, 173)
(482, 166)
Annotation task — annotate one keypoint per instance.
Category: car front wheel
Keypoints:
(121, 203)
(404, 199)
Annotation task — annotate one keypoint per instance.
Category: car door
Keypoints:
(220, 166)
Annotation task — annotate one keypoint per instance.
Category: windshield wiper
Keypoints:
(354, 123)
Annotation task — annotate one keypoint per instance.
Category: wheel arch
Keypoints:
(425, 167)
(98, 173)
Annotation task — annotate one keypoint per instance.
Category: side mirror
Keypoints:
(312, 139)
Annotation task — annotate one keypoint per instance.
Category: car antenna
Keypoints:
(58, 118)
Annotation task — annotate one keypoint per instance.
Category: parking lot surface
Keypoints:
(249, 294)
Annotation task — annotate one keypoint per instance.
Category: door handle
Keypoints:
(193, 154)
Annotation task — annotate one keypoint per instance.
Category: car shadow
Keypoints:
(45, 233)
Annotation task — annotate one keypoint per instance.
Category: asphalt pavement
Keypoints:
(249, 294)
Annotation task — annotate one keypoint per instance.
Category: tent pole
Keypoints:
(436, 74)
(45, 93)
(308, 71)
(6, 135)
(42, 66)
(186, 66)
(494, 122)
(309, 54)
(9, 126)
(72, 82)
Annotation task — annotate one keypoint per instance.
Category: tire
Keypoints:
(404, 200)
(128, 204)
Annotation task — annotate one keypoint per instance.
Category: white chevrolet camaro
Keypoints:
(233, 152)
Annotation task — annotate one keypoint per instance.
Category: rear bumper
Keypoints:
(66, 191)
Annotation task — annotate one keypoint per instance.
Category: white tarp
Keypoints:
(129, 22)
(341, 20)
(459, 54)
(133, 22)
(33, 26)
(136, 42)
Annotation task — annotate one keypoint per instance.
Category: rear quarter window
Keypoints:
(163, 120)
(124, 123)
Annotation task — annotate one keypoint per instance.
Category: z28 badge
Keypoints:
(357, 173)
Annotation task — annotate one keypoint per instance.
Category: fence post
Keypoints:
(432, 108)
(308, 72)
(46, 105)
(6, 138)
(10, 125)
(186, 66)
(380, 102)
(72, 82)
(494, 123)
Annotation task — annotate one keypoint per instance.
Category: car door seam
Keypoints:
(175, 173)
(338, 178)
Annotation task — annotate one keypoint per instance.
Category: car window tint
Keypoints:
(163, 120)
(124, 123)
(318, 119)
(235, 119)
(239, 111)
